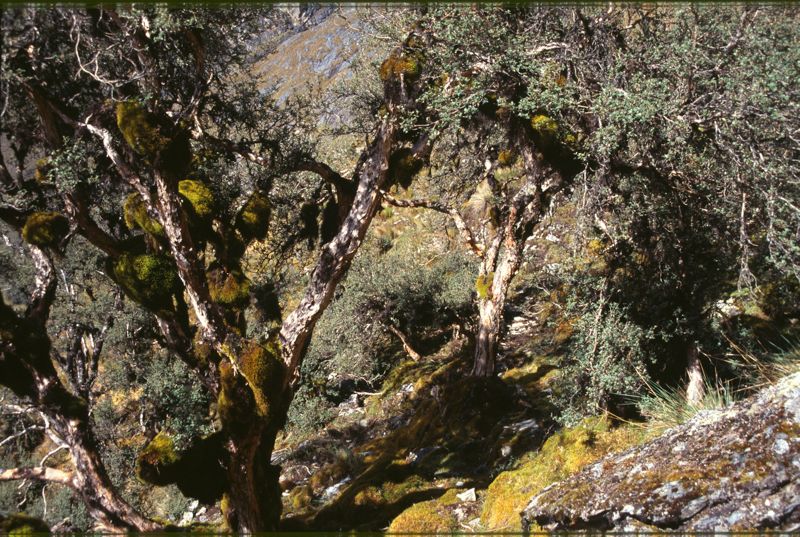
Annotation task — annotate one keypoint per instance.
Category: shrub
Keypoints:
(608, 358)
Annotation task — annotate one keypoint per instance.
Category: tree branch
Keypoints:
(40, 473)
(458, 220)
(45, 288)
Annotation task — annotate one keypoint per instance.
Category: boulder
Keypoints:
(728, 470)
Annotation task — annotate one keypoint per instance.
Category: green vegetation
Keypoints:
(45, 229)
(136, 217)
(148, 279)
(552, 224)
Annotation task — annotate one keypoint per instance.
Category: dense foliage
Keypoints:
(607, 193)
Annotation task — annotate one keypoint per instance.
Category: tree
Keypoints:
(552, 100)
(161, 122)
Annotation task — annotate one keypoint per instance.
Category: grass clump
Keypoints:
(45, 229)
(665, 408)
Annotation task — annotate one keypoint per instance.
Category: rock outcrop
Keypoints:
(726, 470)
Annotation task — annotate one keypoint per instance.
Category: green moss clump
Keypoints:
(544, 125)
(253, 220)
(229, 409)
(156, 462)
(432, 516)
(150, 280)
(42, 169)
(230, 288)
(45, 229)
(400, 64)
(136, 217)
(262, 367)
(199, 197)
(139, 128)
(403, 166)
(300, 497)
(483, 285)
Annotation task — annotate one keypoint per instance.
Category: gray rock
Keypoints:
(729, 470)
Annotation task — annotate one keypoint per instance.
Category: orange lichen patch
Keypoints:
(506, 157)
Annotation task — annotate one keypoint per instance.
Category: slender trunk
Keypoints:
(486, 340)
(695, 389)
(414, 355)
(490, 312)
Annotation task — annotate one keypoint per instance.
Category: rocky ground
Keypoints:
(727, 470)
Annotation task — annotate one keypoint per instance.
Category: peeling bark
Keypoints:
(337, 254)
(695, 388)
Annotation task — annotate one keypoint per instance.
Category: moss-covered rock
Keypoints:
(432, 516)
(733, 469)
(150, 280)
(45, 229)
(253, 220)
(562, 454)
(199, 196)
(136, 216)
(22, 524)
(228, 287)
